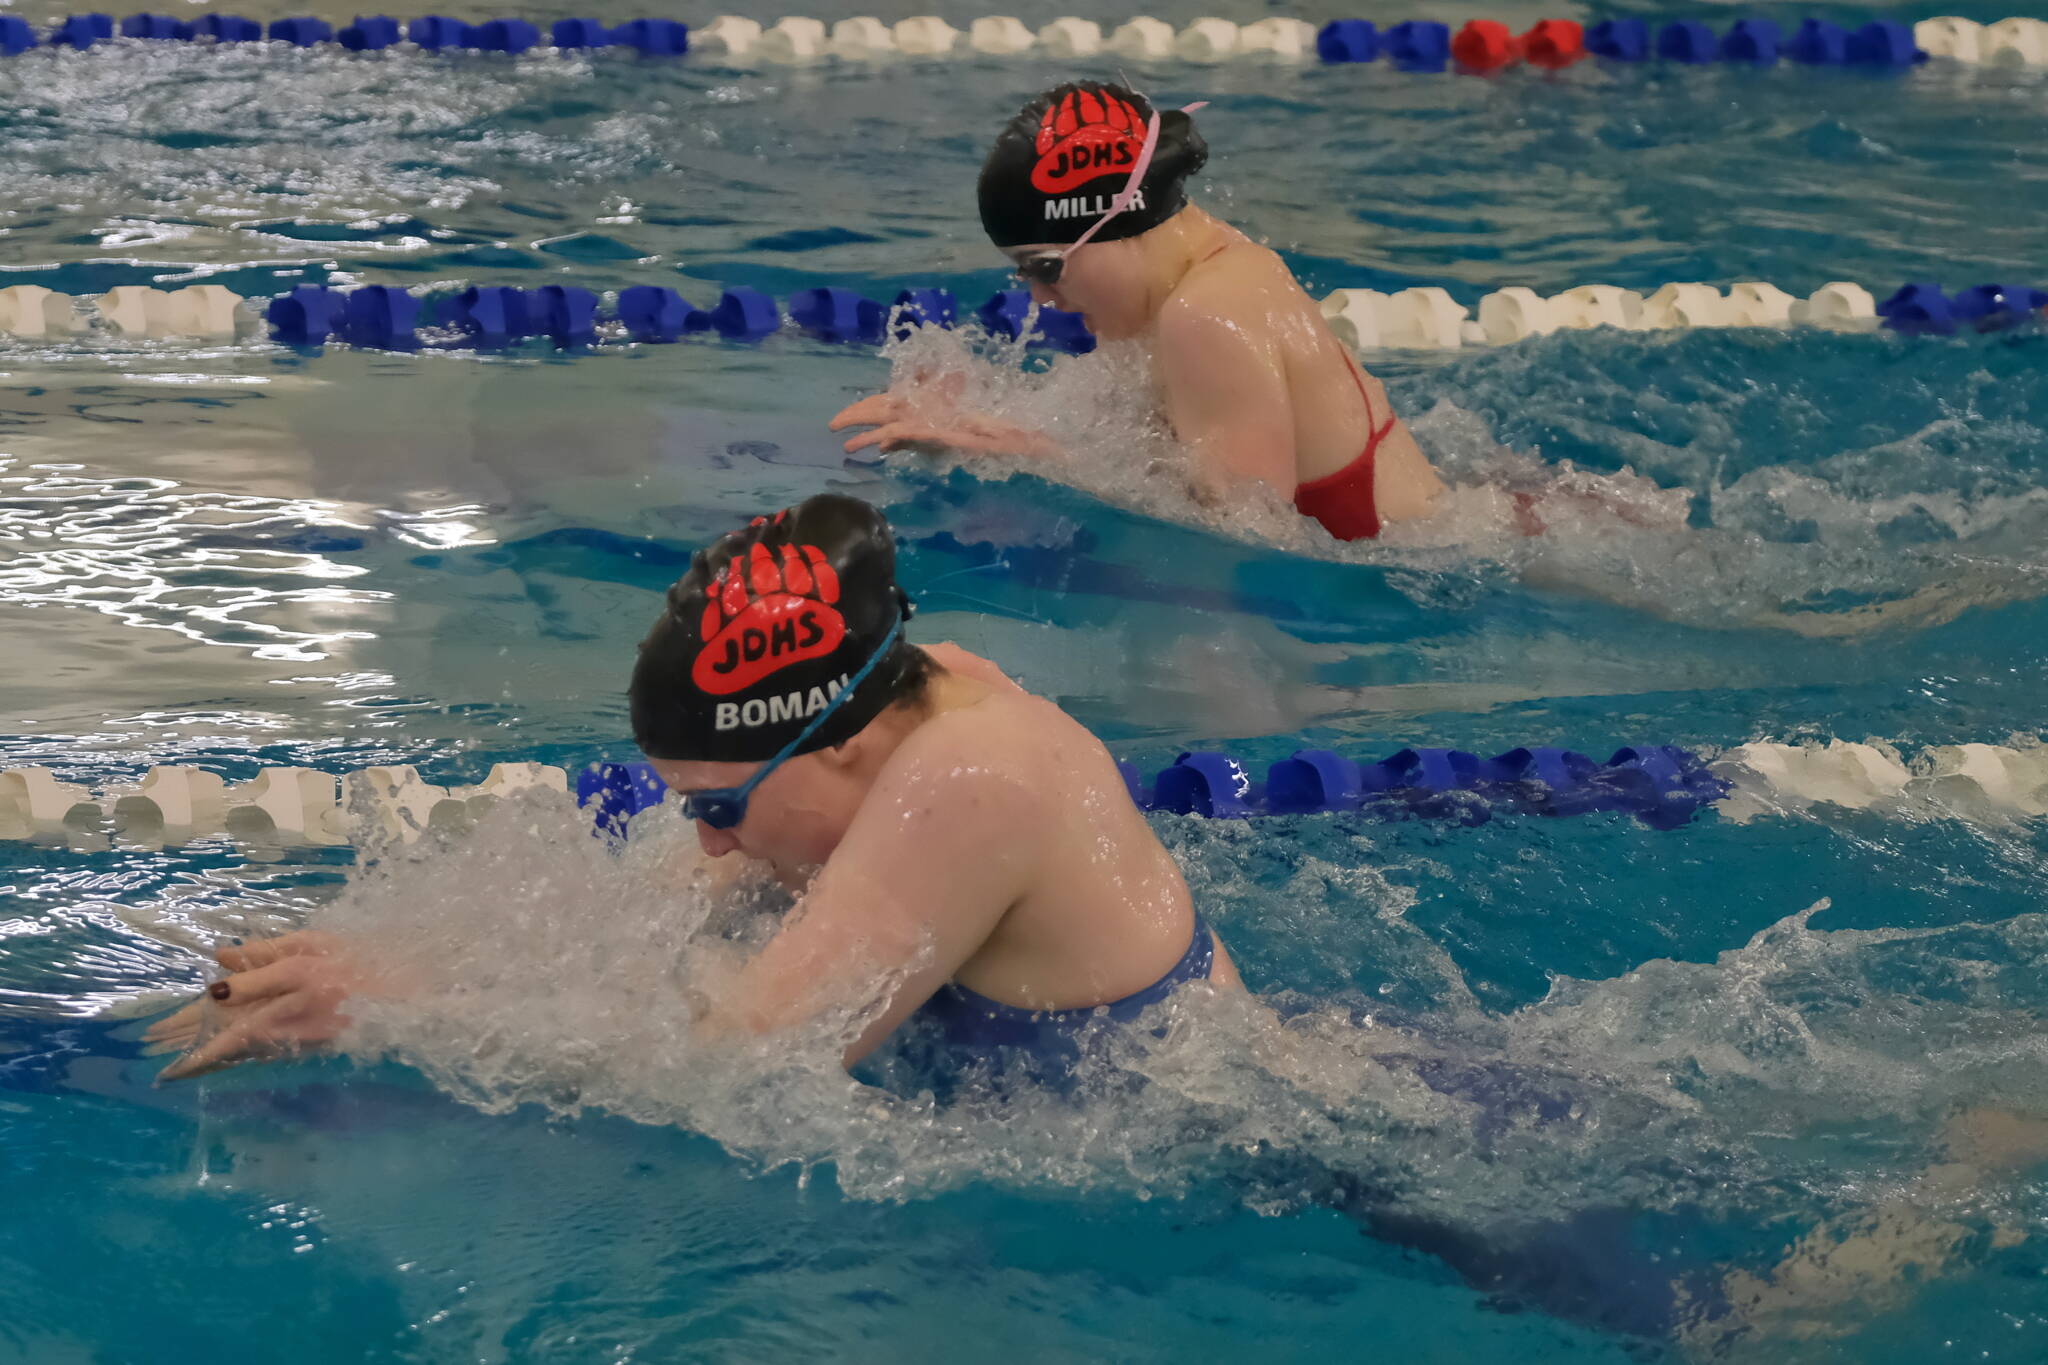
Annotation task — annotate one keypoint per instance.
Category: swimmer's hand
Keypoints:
(902, 423)
(282, 995)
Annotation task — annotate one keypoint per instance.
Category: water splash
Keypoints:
(555, 971)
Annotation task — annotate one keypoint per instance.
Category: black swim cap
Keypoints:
(764, 630)
(1058, 164)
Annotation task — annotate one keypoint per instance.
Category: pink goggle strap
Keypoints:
(1129, 193)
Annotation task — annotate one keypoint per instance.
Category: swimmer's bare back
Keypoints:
(1240, 296)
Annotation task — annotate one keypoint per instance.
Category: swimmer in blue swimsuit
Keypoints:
(964, 857)
(979, 905)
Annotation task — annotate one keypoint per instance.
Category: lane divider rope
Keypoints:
(490, 317)
(1662, 786)
(1481, 46)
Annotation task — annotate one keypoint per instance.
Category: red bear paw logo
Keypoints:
(764, 616)
(1084, 136)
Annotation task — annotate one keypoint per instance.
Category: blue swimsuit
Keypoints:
(1643, 1275)
(960, 1033)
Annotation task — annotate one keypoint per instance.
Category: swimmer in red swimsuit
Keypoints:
(1242, 360)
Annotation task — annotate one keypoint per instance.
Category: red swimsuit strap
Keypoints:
(1376, 433)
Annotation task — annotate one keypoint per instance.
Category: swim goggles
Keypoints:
(1046, 267)
(724, 807)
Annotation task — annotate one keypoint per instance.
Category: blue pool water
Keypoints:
(237, 556)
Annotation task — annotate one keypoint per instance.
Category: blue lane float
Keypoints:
(924, 308)
(1921, 309)
(302, 32)
(1998, 305)
(370, 33)
(1005, 313)
(15, 35)
(650, 313)
(564, 314)
(512, 36)
(1419, 45)
(1819, 43)
(305, 317)
(653, 37)
(491, 316)
(1752, 42)
(154, 26)
(1687, 41)
(1884, 44)
(1063, 332)
(745, 314)
(1918, 309)
(616, 792)
(1661, 785)
(1619, 40)
(1348, 40)
(570, 34)
(380, 317)
(227, 28)
(82, 31)
(838, 315)
(435, 32)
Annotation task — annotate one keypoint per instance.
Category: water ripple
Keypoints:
(216, 568)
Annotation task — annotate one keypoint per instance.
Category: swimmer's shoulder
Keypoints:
(954, 659)
(1239, 291)
(999, 736)
(960, 786)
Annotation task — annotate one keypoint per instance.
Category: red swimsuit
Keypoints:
(1343, 501)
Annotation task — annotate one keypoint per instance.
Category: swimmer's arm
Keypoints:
(1226, 398)
(938, 854)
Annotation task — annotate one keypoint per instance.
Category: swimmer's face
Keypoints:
(794, 819)
(1100, 281)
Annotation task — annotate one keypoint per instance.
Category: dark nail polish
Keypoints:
(218, 990)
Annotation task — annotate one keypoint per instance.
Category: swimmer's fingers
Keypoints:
(919, 436)
(271, 1011)
(969, 433)
(263, 1032)
(175, 1030)
(242, 957)
(312, 974)
(871, 411)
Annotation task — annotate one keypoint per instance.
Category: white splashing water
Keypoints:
(551, 969)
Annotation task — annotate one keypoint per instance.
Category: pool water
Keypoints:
(241, 556)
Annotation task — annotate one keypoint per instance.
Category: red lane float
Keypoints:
(1554, 44)
(1485, 45)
